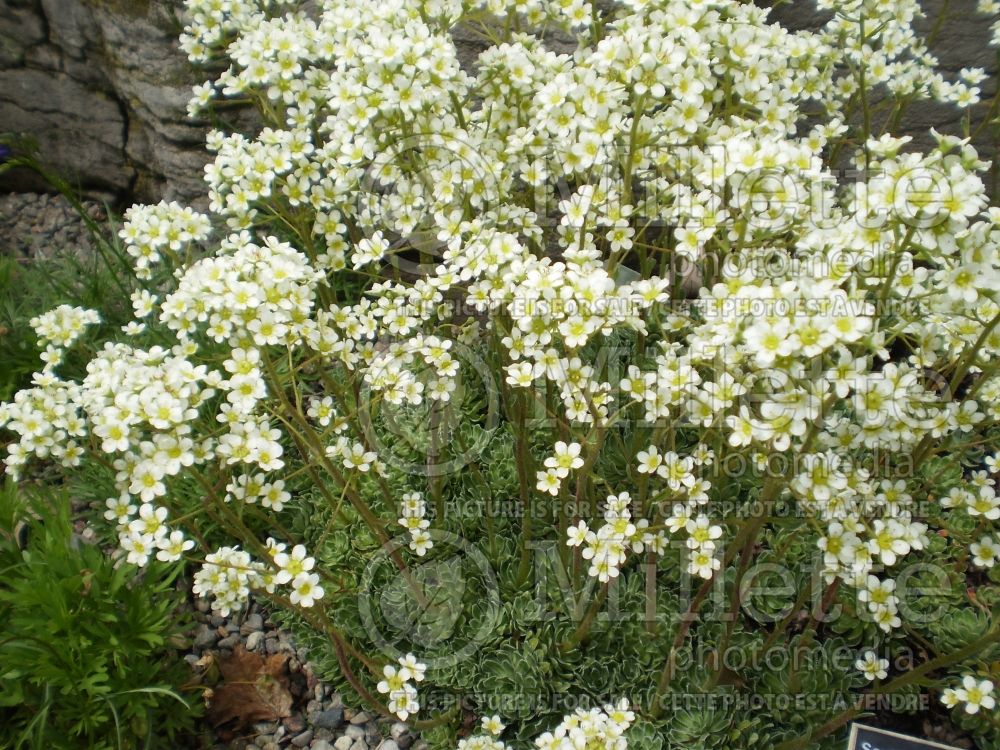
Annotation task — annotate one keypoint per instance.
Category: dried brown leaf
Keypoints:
(253, 689)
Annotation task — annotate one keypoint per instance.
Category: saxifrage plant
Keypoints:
(633, 385)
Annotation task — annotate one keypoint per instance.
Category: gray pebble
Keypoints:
(332, 718)
(253, 624)
(401, 733)
(343, 743)
(217, 620)
(354, 732)
(322, 745)
(301, 740)
(388, 745)
(205, 637)
(229, 641)
(359, 745)
(254, 640)
(361, 717)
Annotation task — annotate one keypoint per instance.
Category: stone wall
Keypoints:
(103, 87)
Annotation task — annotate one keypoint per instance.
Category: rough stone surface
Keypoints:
(42, 227)
(102, 87)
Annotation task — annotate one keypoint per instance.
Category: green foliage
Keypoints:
(87, 653)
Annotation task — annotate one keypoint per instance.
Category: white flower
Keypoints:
(306, 589)
(975, 694)
(872, 667)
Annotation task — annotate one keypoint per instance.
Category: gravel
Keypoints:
(319, 721)
(44, 226)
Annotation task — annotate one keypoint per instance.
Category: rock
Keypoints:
(229, 641)
(294, 723)
(331, 719)
(398, 730)
(102, 86)
(322, 745)
(324, 734)
(388, 745)
(361, 717)
(254, 623)
(303, 739)
(205, 638)
(354, 732)
(254, 640)
(359, 745)
(343, 743)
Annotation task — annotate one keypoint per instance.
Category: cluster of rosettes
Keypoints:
(608, 547)
(398, 684)
(411, 517)
(149, 232)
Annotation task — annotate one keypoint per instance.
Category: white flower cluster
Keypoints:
(555, 196)
(596, 729)
(606, 549)
(398, 684)
(558, 466)
(975, 694)
(228, 575)
(149, 232)
(412, 519)
(59, 328)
